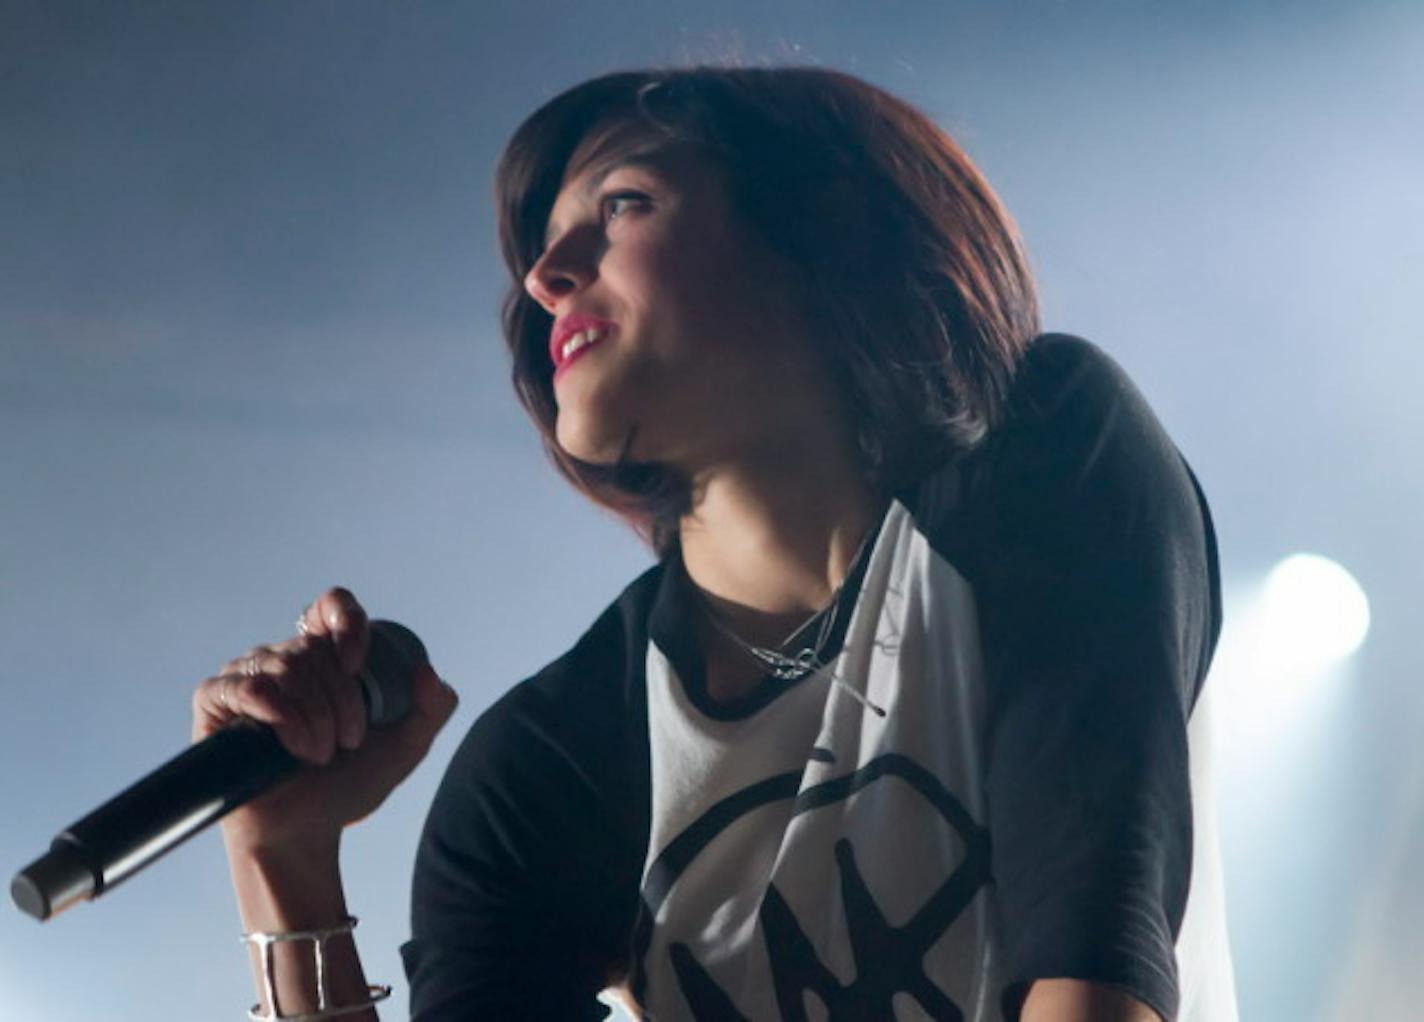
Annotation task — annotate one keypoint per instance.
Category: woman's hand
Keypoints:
(306, 689)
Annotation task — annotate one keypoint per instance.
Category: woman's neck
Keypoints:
(770, 544)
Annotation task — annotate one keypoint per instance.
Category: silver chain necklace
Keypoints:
(806, 660)
(777, 663)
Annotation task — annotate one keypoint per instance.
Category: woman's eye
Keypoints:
(612, 203)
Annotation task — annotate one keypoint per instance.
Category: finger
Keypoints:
(292, 670)
(211, 710)
(249, 663)
(342, 691)
(303, 678)
(339, 616)
(221, 699)
(343, 695)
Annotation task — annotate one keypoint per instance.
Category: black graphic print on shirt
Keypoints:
(888, 959)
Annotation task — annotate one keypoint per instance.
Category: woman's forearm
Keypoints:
(287, 892)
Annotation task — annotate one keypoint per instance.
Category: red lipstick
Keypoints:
(565, 328)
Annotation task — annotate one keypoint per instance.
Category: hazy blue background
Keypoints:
(249, 348)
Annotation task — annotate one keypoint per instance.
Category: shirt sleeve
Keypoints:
(525, 880)
(1099, 610)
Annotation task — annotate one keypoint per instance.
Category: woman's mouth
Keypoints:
(575, 345)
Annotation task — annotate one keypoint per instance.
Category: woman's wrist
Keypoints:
(288, 887)
(287, 890)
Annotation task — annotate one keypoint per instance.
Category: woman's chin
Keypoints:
(594, 447)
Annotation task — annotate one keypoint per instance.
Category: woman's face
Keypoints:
(700, 355)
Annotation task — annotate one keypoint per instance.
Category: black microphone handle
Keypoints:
(196, 788)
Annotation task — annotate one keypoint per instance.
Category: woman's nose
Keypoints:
(559, 272)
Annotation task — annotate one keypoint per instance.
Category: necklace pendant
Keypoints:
(785, 668)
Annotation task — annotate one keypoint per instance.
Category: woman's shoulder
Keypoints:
(1068, 378)
(1062, 385)
(1070, 404)
(1081, 460)
(1078, 420)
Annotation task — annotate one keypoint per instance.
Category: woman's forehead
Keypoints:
(660, 156)
(586, 178)
(610, 140)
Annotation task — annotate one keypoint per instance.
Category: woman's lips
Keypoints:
(579, 352)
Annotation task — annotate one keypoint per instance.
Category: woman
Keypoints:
(897, 726)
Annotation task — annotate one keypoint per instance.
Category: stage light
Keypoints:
(1314, 613)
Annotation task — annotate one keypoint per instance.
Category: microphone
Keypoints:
(193, 789)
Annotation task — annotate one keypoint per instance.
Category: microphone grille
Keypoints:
(387, 676)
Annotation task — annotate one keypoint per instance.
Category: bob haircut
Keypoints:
(912, 271)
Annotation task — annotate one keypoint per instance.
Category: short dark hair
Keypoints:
(916, 277)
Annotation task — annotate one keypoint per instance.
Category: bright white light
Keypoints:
(1315, 613)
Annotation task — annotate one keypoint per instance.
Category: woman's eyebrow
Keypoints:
(646, 161)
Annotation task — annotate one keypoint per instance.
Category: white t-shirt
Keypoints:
(998, 775)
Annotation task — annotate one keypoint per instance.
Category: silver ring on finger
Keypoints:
(302, 627)
(252, 666)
